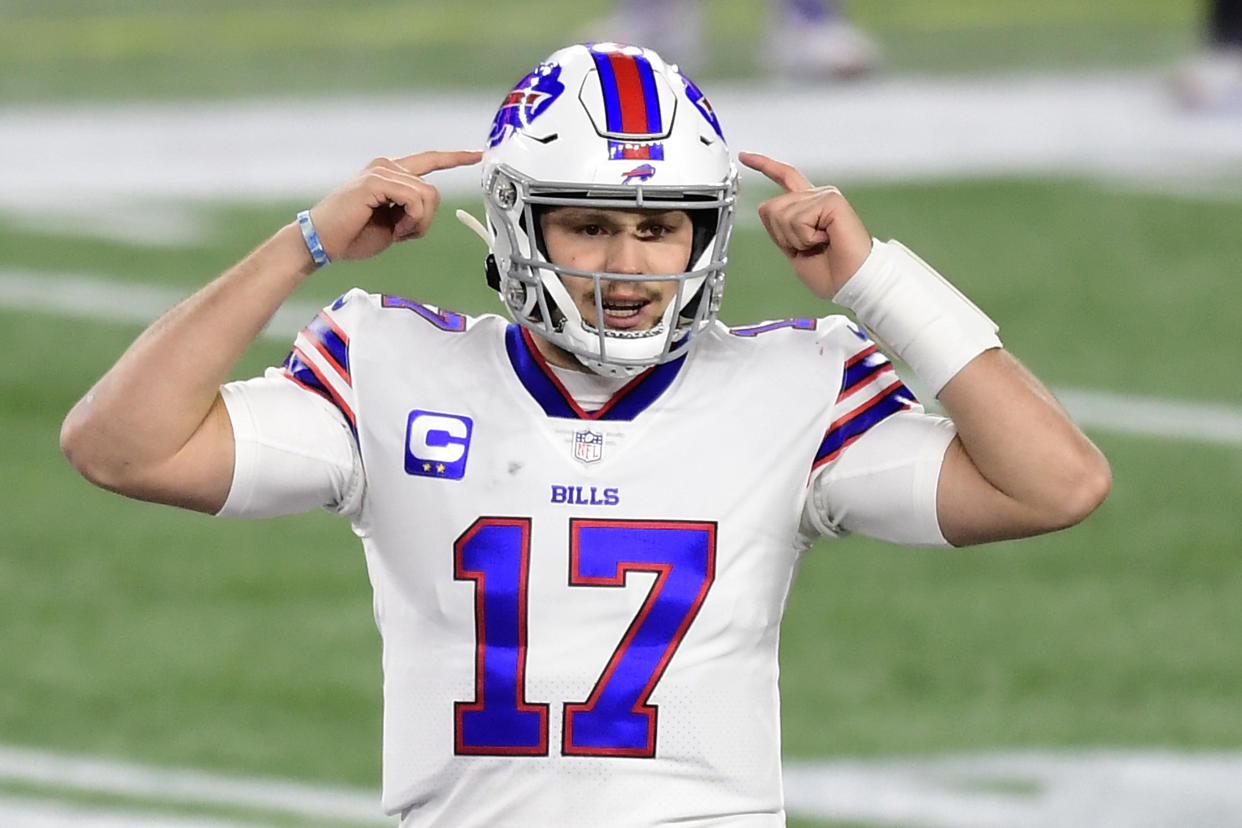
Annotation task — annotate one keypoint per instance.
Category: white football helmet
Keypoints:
(613, 126)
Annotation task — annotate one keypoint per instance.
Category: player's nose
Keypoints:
(625, 255)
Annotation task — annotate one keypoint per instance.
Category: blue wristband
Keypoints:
(312, 240)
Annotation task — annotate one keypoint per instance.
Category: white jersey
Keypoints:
(580, 610)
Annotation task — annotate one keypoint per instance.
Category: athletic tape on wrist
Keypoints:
(913, 312)
(312, 240)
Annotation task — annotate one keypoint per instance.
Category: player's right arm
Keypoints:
(1018, 465)
(155, 427)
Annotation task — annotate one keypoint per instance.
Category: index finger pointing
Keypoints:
(783, 174)
(421, 163)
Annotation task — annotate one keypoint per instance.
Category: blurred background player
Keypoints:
(1212, 80)
(805, 38)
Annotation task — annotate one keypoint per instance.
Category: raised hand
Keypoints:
(387, 202)
(815, 227)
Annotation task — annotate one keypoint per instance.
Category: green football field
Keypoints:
(139, 633)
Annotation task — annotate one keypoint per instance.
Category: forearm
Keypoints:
(145, 409)
(1019, 465)
(155, 426)
(1038, 471)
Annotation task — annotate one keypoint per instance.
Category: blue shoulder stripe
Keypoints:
(857, 423)
(864, 367)
(335, 346)
(305, 375)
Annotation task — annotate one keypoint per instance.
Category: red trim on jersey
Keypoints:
(840, 421)
(336, 329)
(322, 348)
(336, 397)
(542, 362)
(520, 702)
(287, 374)
(662, 571)
(854, 414)
(866, 378)
(860, 356)
(828, 458)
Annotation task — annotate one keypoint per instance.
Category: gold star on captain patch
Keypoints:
(426, 467)
(439, 468)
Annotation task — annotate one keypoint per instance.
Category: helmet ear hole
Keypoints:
(705, 223)
(535, 233)
(492, 271)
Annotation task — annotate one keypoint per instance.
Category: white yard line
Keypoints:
(1086, 789)
(82, 296)
(185, 787)
(890, 128)
(28, 812)
(1146, 416)
(131, 161)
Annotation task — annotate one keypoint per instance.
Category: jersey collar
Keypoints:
(635, 397)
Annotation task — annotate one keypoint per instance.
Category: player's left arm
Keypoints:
(1018, 465)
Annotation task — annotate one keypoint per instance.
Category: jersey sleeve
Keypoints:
(293, 452)
(884, 485)
(319, 360)
(295, 428)
(878, 465)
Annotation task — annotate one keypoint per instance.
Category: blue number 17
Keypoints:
(616, 719)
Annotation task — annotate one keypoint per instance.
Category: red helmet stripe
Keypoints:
(631, 101)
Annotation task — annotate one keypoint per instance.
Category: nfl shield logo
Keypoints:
(588, 446)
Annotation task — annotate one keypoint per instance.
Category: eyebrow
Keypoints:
(601, 215)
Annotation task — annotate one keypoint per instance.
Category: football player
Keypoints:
(805, 39)
(1212, 79)
(582, 525)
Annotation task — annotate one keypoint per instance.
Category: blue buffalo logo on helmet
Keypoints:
(528, 100)
(639, 173)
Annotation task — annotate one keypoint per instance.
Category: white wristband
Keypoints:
(913, 312)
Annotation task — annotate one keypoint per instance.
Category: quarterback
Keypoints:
(581, 521)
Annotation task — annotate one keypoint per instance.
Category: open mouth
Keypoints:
(624, 314)
(626, 319)
(623, 308)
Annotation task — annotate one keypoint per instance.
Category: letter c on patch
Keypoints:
(437, 445)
